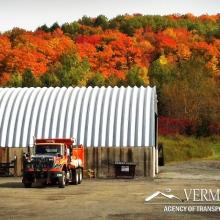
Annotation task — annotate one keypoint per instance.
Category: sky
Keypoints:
(30, 14)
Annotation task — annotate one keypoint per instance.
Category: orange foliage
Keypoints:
(206, 17)
(147, 48)
(33, 51)
(5, 47)
(183, 51)
(110, 53)
(206, 48)
(23, 58)
(4, 78)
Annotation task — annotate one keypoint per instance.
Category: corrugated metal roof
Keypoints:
(94, 116)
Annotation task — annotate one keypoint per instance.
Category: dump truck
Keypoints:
(54, 161)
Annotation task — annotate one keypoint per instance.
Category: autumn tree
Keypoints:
(137, 76)
(28, 79)
(97, 79)
(5, 48)
(69, 71)
(15, 80)
(161, 72)
(180, 54)
(192, 95)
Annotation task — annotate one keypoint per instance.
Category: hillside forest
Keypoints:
(179, 54)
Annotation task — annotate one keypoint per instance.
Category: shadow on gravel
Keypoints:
(11, 185)
(20, 185)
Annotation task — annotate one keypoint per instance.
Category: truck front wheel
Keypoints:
(62, 180)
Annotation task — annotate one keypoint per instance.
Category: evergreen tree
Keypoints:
(28, 79)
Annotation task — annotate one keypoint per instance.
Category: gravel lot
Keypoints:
(108, 199)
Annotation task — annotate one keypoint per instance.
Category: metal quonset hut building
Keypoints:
(123, 120)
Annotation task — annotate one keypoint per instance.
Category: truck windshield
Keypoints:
(48, 149)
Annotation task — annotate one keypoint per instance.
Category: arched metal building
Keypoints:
(111, 117)
(115, 124)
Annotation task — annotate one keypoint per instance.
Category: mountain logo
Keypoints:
(166, 195)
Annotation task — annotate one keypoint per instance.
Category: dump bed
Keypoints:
(67, 141)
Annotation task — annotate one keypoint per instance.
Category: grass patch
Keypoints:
(214, 143)
(181, 148)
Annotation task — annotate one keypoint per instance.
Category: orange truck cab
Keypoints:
(54, 161)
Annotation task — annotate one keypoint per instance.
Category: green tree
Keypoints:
(49, 79)
(71, 28)
(97, 79)
(161, 72)
(130, 26)
(115, 23)
(28, 79)
(54, 26)
(44, 28)
(15, 80)
(85, 20)
(137, 76)
(101, 21)
(70, 71)
(113, 80)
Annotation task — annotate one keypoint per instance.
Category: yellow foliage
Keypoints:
(144, 75)
(183, 51)
(163, 60)
(213, 65)
(146, 46)
(170, 32)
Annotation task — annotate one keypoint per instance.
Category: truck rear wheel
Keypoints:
(62, 180)
(80, 173)
(75, 177)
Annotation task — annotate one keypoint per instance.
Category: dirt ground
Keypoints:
(109, 199)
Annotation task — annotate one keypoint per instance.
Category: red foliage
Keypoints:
(182, 35)
(214, 129)
(206, 48)
(166, 41)
(172, 126)
(93, 39)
